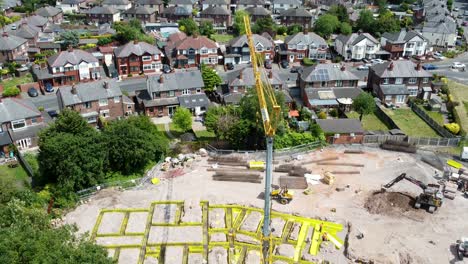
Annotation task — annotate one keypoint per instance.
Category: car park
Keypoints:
(33, 92)
(429, 67)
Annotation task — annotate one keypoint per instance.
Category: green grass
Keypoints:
(204, 135)
(369, 122)
(460, 94)
(222, 38)
(280, 37)
(13, 82)
(410, 123)
(117, 176)
(465, 104)
(436, 116)
(18, 174)
(175, 130)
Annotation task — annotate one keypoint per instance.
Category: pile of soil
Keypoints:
(389, 203)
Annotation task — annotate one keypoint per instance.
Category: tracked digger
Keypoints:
(431, 196)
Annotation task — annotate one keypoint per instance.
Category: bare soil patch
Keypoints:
(389, 203)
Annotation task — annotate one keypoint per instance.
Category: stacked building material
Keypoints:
(293, 182)
(229, 161)
(398, 146)
(450, 190)
(354, 151)
(237, 176)
(341, 164)
(328, 178)
(292, 170)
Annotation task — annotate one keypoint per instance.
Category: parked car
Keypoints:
(438, 55)
(166, 68)
(296, 69)
(363, 67)
(460, 16)
(456, 9)
(230, 66)
(284, 64)
(33, 92)
(49, 88)
(429, 67)
(268, 64)
(465, 23)
(366, 61)
(52, 113)
(377, 61)
(458, 65)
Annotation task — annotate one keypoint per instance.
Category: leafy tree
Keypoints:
(340, 12)
(291, 139)
(104, 41)
(364, 104)
(388, 23)
(210, 78)
(449, 4)
(293, 29)
(238, 24)
(326, 25)
(70, 122)
(346, 29)
(221, 120)
(264, 25)
(317, 131)
(188, 26)
(69, 38)
(11, 92)
(206, 28)
(366, 21)
(131, 30)
(183, 119)
(322, 115)
(406, 22)
(281, 30)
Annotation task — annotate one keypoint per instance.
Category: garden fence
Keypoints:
(433, 124)
(419, 141)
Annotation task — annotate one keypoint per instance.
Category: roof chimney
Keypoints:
(73, 89)
(5, 34)
(305, 31)
(270, 74)
(161, 78)
(390, 66)
(343, 67)
(105, 84)
(418, 66)
(240, 75)
(135, 41)
(70, 48)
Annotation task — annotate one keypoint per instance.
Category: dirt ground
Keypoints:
(384, 227)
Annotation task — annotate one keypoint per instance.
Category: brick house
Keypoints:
(404, 43)
(53, 14)
(238, 52)
(12, 48)
(157, 5)
(305, 45)
(20, 122)
(325, 86)
(186, 4)
(120, 5)
(71, 6)
(211, 3)
(257, 13)
(102, 98)
(183, 51)
(281, 5)
(175, 13)
(220, 16)
(357, 46)
(298, 16)
(164, 93)
(137, 57)
(103, 14)
(142, 13)
(394, 82)
(25, 31)
(68, 67)
(244, 4)
(342, 130)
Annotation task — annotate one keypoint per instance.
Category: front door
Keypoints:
(291, 58)
(171, 110)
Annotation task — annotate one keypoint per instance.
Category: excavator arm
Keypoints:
(408, 178)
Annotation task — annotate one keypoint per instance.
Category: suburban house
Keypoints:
(212, 3)
(175, 13)
(183, 51)
(53, 14)
(70, 6)
(299, 16)
(394, 82)
(93, 100)
(37, 21)
(186, 4)
(357, 46)
(137, 57)
(342, 130)
(158, 5)
(257, 13)
(103, 14)
(404, 43)
(238, 52)
(282, 5)
(142, 13)
(68, 67)
(326, 86)
(218, 15)
(12, 48)
(121, 5)
(244, 4)
(441, 33)
(20, 122)
(304, 45)
(166, 92)
(25, 31)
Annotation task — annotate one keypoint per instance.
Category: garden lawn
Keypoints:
(410, 123)
(17, 174)
(175, 130)
(204, 135)
(460, 94)
(434, 115)
(222, 38)
(369, 122)
(13, 82)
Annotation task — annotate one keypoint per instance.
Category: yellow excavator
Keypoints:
(282, 195)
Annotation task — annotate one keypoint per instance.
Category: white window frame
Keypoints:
(204, 51)
(385, 81)
(91, 119)
(147, 67)
(103, 103)
(171, 93)
(116, 99)
(105, 113)
(412, 80)
(338, 83)
(300, 55)
(413, 92)
(146, 58)
(398, 97)
(388, 98)
(19, 121)
(235, 89)
(398, 80)
(425, 79)
(185, 91)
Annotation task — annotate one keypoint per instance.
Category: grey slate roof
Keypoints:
(447, 26)
(402, 36)
(180, 2)
(6, 4)
(176, 10)
(242, 41)
(341, 125)
(287, 2)
(248, 79)
(25, 31)
(10, 42)
(215, 2)
(48, 11)
(295, 12)
(194, 100)
(140, 10)
(258, 11)
(307, 39)
(4, 139)
(139, 49)
(355, 38)
(14, 109)
(73, 57)
(175, 81)
(38, 21)
(72, 2)
(215, 10)
(326, 72)
(89, 92)
(251, 2)
(115, 2)
(106, 10)
(401, 68)
(149, 2)
(393, 89)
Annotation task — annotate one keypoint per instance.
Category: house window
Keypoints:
(385, 81)
(171, 93)
(87, 105)
(103, 102)
(413, 91)
(204, 51)
(235, 90)
(191, 52)
(33, 120)
(323, 84)
(412, 80)
(339, 83)
(147, 67)
(300, 56)
(185, 91)
(146, 58)
(398, 80)
(419, 44)
(388, 98)
(213, 60)
(116, 99)
(400, 99)
(105, 113)
(92, 119)
(259, 49)
(57, 69)
(133, 59)
(18, 124)
(69, 68)
(156, 94)
(156, 57)
(425, 80)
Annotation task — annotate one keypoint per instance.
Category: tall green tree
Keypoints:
(293, 29)
(387, 22)
(183, 119)
(206, 28)
(189, 26)
(326, 25)
(238, 24)
(69, 38)
(131, 30)
(264, 25)
(340, 12)
(366, 22)
(211, 79)
(364, 104)
(346, 29)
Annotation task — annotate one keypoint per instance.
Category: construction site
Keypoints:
(339, 204)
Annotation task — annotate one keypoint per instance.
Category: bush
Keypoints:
(449, 54)
(104, 41)
(337, 59)
(454, 128)
(333, 112)
(308, 62)
(130, 75)
(444, 89)
(281, 30)
(322, 115)
(11, 92)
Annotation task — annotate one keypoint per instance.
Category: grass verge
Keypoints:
(410, 123)
(369, 122)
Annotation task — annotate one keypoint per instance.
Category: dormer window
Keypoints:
(146, 58)
(18, 124)
(204, 51)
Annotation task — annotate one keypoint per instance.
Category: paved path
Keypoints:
(168, 130)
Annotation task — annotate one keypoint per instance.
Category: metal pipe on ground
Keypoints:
(341, 164)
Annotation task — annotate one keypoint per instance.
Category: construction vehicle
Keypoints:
(270, 112)
(282, 195)
(431, 196)
(462, 248)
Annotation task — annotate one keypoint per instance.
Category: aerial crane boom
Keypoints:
(408, 178)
